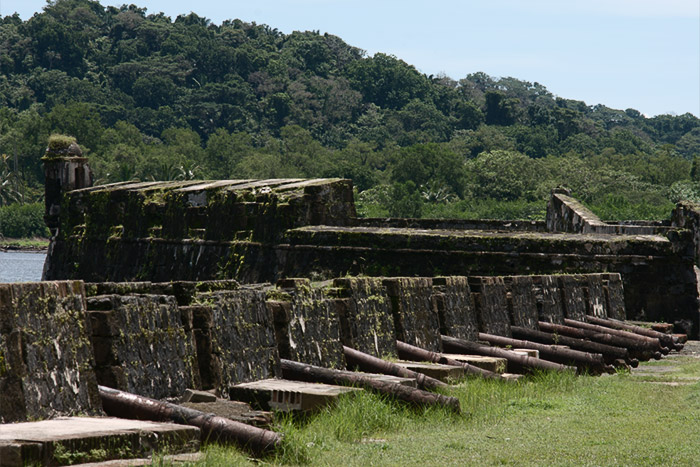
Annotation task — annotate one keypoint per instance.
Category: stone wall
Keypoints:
(46, 360)
(307, 323)
(235, 337)
(186, 230)
(658, 272)
(566, 214)
(141, 345)
(366, 319)
(265, 230)
(157, 339)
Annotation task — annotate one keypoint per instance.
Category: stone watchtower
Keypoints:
(65, 169)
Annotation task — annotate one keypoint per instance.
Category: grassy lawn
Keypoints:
(549, 419)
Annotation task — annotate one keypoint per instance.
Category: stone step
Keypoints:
(286, 396)
(434, 370)
(495, 364)
(70, 440)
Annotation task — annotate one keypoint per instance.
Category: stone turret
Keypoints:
(65, 169)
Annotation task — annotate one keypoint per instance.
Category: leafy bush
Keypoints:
(22, 221)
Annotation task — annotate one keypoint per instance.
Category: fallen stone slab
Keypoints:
(193, 395)
(438, 371)
(70, 440)
(170, 459)
(494, 364)
(285, 395)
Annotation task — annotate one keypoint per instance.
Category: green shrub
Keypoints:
(23, 221)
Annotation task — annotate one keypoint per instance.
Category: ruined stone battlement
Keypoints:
(265, 230)
(157, 339)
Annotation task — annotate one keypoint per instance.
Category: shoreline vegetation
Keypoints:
(29, 245)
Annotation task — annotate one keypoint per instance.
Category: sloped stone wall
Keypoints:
(46, 360)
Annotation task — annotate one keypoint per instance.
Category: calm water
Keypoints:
(21, 266)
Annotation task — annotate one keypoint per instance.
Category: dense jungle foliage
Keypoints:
(151, 97)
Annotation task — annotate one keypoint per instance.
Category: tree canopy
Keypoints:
(153, 97)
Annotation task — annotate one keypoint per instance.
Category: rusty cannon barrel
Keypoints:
(371, 364)
(316, 374)
(411, 352)
(592, 362)
(642, 347)
(521, 363)
(610, 353)
(666, 340)
(257, 441)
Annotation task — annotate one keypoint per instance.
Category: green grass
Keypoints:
(549, 419)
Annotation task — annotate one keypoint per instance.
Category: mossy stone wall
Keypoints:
(452, 300)
(367, 323)
(46, 360)
(308, 324)
(415, 319)
(141, 345)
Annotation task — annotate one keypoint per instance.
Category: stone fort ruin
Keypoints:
(158, 287)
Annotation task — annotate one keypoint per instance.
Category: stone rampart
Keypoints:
(156, 339)
(266, 230)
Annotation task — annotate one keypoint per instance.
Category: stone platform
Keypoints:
(495, 364)
(71, 440)
(434, 370)
(287, 395)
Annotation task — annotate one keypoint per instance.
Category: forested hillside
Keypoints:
(153, 97)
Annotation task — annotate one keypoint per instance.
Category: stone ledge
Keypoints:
(82, 439)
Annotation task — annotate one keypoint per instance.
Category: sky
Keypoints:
(641, 54)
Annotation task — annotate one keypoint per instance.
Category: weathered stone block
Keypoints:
(415, 320)
(549, 299)
(141, 345)
(615, 297)
(46, 362)
(235, 338)
(308, 329)
(595, 295)
(573, 290)
(453, 302)
(367, 323)
(288, 396)
(491, 300)
(522, 303)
